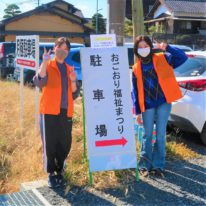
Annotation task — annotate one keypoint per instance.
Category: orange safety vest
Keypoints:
(166, 79)
(50, 101)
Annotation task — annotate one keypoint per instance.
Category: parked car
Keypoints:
(130, 47)
(73, 60)
(182, 47)
(7, 55)
(189, 113)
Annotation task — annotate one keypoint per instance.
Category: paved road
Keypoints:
(183, 184)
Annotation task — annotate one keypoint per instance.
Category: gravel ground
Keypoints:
(184, 184)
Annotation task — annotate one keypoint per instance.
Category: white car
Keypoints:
(182, 47)
(189, 113)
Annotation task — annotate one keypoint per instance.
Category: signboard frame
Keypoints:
(84, 122)
(27, 55)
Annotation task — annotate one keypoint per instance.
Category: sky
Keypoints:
(88, 7)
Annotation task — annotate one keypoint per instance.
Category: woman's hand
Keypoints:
(46, 55)
(46, 58)
(73, 78)
(73, 75)
(162, 45)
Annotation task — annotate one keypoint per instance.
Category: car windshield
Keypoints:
(192, 67)
(76, 57)
(130, 56)
(9, 48)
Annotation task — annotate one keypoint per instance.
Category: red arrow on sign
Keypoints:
(114, 142)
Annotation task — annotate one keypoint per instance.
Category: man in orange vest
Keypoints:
(59, 87)
(154, 89)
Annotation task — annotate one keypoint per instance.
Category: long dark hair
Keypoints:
(138, 40)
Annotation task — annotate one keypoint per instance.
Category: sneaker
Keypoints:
(60, 179)
(157, 172)
(52, 181)
(143, 172)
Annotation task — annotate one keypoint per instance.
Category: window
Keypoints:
(192, 67)
(76, 57)
(188, 25)
(130, 56)
(185, 25)
(9, 48)
(41, 50)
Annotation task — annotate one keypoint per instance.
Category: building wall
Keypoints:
(170, 26)
(12, 38)
(203, 25)
(44, 22)
(186, 27)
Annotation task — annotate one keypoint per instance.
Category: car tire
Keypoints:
(203, 135)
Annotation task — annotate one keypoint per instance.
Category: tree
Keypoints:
(101, 28)
(128, 27)
(11, 10)
(156, 29)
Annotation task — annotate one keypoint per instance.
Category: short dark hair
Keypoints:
(62, 40)
(139, 39)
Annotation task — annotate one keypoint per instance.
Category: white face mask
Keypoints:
(143, 52)
(61, 54)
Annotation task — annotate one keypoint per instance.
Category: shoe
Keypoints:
(60, 179)
(52, 181)
(157, 172)
(143, 172)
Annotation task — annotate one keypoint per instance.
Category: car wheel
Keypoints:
(203, 135)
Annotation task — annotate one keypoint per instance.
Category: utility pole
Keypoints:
(137, 20)
(38, 2)
(97, 19)
(115, 20)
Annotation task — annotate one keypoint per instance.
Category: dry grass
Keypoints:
(21, 153)
(179, 151)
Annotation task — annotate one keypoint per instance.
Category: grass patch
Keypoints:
(176, 148)
(179, 151)
(20, 153)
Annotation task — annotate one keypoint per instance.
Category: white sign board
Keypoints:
(103, 41)
(108, 109)
(27, 56)
(27, 51)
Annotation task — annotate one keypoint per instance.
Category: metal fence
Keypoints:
(195, 41)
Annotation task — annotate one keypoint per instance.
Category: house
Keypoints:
(49, 21)
(178, 16)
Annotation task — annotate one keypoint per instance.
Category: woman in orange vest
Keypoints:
(154, 89)
(59, 87)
